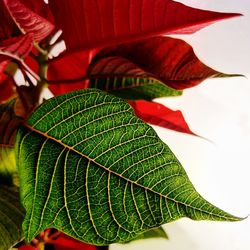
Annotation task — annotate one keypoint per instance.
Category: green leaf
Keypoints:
(11, 217)
(151, 234)
(9, 123)
(125, 79)
(90, 168)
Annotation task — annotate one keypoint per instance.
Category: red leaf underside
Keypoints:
(122, 77)
(158, 114)
(28, 21)
(17, 47)
(99, 23)
(40, 8)
(170, 60)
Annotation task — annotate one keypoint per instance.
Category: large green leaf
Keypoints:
(11, 217)
(90, 168)
(9, 123)
(125, 79)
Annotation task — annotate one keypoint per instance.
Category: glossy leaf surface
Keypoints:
(29, 21)
(158, 114)
(170, 60)
(123, 78)
(9, 123)
(90, 168)
(98, 23)
(11, 217)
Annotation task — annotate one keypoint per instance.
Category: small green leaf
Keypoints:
(151, 234)
(123, 78)
(9, 123)
(90, 168)
(11, 217)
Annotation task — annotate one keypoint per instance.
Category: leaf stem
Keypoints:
(41, 50)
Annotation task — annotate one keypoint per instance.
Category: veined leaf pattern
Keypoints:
(28, 21)
(17, 47)
(171, 61)
(125, 79)
(99, 23)
(90, 168)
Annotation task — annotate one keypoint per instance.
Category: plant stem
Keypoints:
(41, 50)
(42, 59)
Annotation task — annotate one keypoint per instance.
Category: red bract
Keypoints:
(6, 89)
(64, 242)
(125, 79)
(6, 83)
(17, 47)
(3, 65)
(39, 7)
(27, 247)
(99, 23)
(7, 25)
(68, 71)
(158, 114)
(169, 60)
(29, 21)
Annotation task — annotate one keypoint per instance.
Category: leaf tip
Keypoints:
(224, 75)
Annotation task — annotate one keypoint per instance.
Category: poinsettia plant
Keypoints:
(86, 165)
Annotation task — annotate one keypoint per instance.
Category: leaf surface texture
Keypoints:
(170, 60)
(99, 23)
(27, 20)
(123, 78)
(90, 168)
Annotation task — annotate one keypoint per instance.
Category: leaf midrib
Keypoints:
(126, 179)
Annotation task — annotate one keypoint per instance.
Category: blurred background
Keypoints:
(218, 109)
